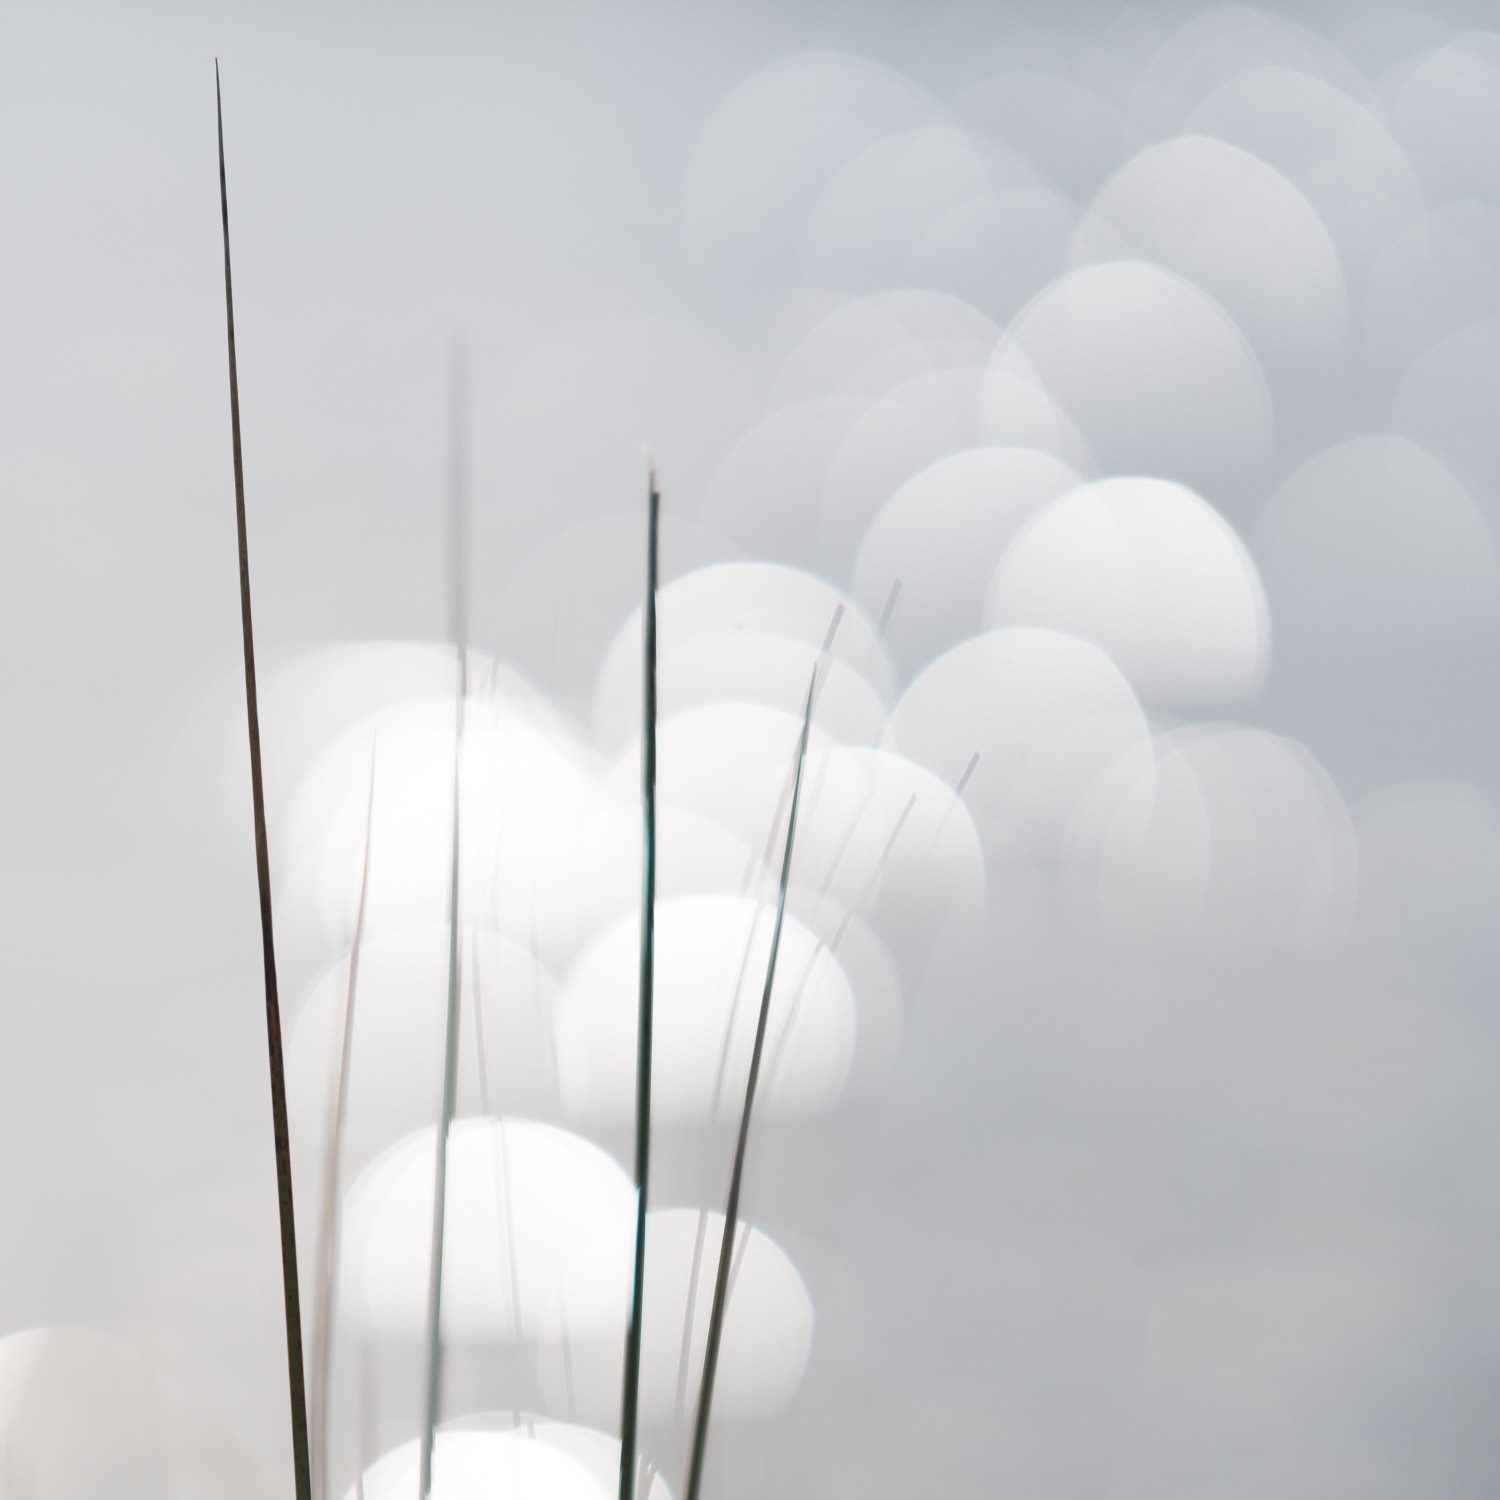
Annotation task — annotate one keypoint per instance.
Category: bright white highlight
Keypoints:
(1154, 373)
(941, 534)
(1154, 577)
(768, 1329)
(711, 955)
(1046, 713)
(537, 1220)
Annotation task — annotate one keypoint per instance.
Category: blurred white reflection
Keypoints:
(1154, 373)
(535, 1219)
(1075, 135)
(711, 759)
(922, 420)
(931, 869)
(769, 150)
(1015, 411)
(523, 793)
(1448, 111)
(868, 347)
(1441, 275)
(308, 698)
(1216, 45)
(875, 832)
(774, 670)
(871, 970)
(1374, 553)
(597, 876)
(996, 249)
(513, 1465)
(753, 598)
(1236, 228)
(315, 697)
(939, 537)
(711, 957)
(1236, 840)
(396, 1058)
(1443, 404)
(1152, 575)
(767, 1334)
(1040, 715)
(597, 1451)
(932, 208)
(765, 493)
(926, 419)
(842, 825)
(1332, 147)
(866, 223)
(1176, 1191)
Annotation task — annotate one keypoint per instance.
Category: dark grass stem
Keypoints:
(630, 1390)
(458, 615)
(750, 881)
(732, 1206)
(301, 1464)
(332, 1227)
(758, 866)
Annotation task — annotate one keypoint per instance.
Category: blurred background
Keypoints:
(1126, 371)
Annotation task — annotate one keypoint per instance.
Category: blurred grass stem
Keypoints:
(457, 604)
(328, 1259)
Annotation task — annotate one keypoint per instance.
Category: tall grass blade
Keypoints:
(301, 1466)
(630, 1395)
(328, 1259)
(732, 1207)
(458, 616)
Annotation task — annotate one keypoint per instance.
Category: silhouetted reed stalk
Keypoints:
(732, 1206)
(794, 1009)
(301, 1466)
(754, 867)
(630, 1393)
(332, 1227)
(831, 946)
(459, 624)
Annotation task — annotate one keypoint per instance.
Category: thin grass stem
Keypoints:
(450, 1039)
(328, 1259)
(630, 1391)
(301, 1464)
(732, 1207)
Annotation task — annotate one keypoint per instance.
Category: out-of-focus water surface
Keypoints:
(1103, 399)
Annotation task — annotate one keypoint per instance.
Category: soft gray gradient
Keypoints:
(1175, 1189)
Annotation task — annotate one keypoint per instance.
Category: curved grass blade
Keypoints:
(328, 1260)
(732, 1207)
(301, 1465)
(450, 1039)
(630, 1395)
(750, 880)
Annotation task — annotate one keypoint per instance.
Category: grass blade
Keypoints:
(630, 1395)
(292, 1302)
(732, 1207)
(328, 1260)
(450, 1040)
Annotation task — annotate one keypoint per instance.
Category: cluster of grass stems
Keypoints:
(310, 1459)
